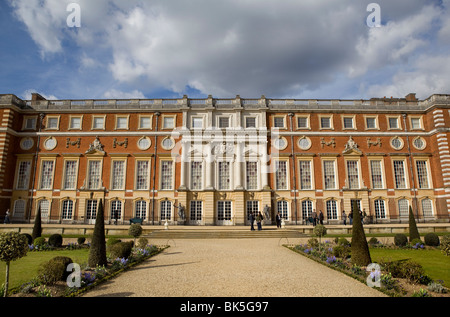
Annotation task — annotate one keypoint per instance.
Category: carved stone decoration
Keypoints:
(95, 146)
(374, 143)
(351, 147)
(330, 143)
(73, 143)
(123, 143)
(223, 149)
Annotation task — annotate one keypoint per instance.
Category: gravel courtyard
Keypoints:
(231, 268)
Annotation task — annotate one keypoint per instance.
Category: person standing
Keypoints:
(321, 217)
(350, 216)
(344, 217)
(7, 217)
(259, 219)
(314, 216)
(252, 221)
(278, 219)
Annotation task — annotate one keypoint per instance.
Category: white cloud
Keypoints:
(27, 95)
(117, 94)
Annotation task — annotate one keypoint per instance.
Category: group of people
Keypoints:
(259, 218)
(319, 219)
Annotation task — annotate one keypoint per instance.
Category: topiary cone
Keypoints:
(97, 252)
(37, 228)
(413, 231)
(360, 249)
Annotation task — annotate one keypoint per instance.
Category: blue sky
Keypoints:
(281, 49)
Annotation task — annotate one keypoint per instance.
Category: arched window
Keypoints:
(403, 208)
(67, 209)
(306, 208)
(427, 207)
(116, 209)
(331, 209)
(141, 209)
(44, 204)
(19, 209)
(380, 211)
(166, 210)
(282, 208)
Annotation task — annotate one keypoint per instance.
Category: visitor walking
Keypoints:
(259, 219)
(252, 220)
(7, 217)
(344, 217)
(314, 217)
(321, 217)
(278, 219)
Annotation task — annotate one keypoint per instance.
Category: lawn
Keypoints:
(26, 268)
(435, 264)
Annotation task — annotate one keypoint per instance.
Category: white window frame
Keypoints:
(275, 174)
(420, 121)
(358, 166)
(405, 173)
(172, 173)
(149, 117)
(381, 161)
(166, 211)
(47, 122)
(119, 118)
(142, 185)
(283, 208)
(335, 175)
(332, 211)
(304, 174)
(427, 171)
(380, 214)
(90, 178)
(220, 177)
(330, 118)
(353, 121)
(139, 211)
(64, 184)
(23, 177)
(255, 178)
(165, 125)
(113, 174)
(399, 122)
(283, 117)
(71, 127)
(51, 177)
(27, 119)
(191, 174)
(65, 212)
(308, 122)
(103, 118)
(375, 118)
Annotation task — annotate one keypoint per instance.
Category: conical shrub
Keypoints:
(360, 249)
(97, 252)
(413, 231)
(37, 228)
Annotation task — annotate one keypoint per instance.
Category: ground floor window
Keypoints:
(282, 208)
(141, 209)
(44, 205)
(67, 209)
(196, 210)
(19, 208)
(380, 211)
(427, 207)
(252, 207)
(306, 209)
(403, 208)
(331, 209)
(166, 210)
(116, 209)
(91, 209)
(224, 210)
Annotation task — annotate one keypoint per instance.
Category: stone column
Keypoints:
(209, 167)
(183, 162)
(238, 165)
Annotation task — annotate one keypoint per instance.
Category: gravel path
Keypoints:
(231, 267)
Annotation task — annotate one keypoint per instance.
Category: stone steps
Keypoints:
(223, 234)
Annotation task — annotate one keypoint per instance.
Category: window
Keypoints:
(52, 123)
(329, 175)
(26, 143)
(197, 122)
(252, 175)
(325, 122)
(282, 208)
(223, 210)
(397, 143)
(196, 175)
(91, 209)
(304, 143)
(47, 175)
(19, 208)
(371, 123)
(380, 211)
(278, 122)
(145, 122)
(377, 177)
(302, 122)
(116, 209)
(118, 175)
(166, 175)
(224, 122)
(141, 209)
(416, 124)
(30, 123)
(403, 208)
(196, 210)
(280, 143)
(75, 123)
(94, 176)
(422, 173)
(250, 122)
(67, 209)
(224, 175)
(44, 205)
(419, 143)
(306, 209)
(23, 175)
(331, 209)
(168, 122)
(252, 208)
(427, 207)
(142, 175)
(168, 143)
(144, 143)
(166, 210)
(281, 174)
(70, 174)
(348, 123)
(98, 123)
(393, 123)
(122, 123)
(352, 174)
(399, 174)
(305, 174)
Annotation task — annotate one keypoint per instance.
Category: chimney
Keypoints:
(411, 97)
(36, 97)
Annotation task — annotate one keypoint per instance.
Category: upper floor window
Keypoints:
(98, 122)
(394, 123)
(250, 122)
(325, 122)
(122, 122)
(75, 123)
(52, 123)
(224, 122)
(348, 123)
(168, 122)
(278, 122)
(197, 123)
(29, 123)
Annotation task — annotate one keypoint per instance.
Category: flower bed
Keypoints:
(394, 278)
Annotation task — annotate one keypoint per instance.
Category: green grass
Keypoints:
(435, 264)
(25, 269)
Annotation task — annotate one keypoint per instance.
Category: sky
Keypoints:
(301, 49)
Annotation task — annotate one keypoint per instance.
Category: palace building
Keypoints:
(213, 161)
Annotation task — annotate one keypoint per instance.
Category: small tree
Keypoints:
(97, 252)
(320, 231)
(413, 231)
(13, 246)
(360, 249)
(37, 228)
(135, 231)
